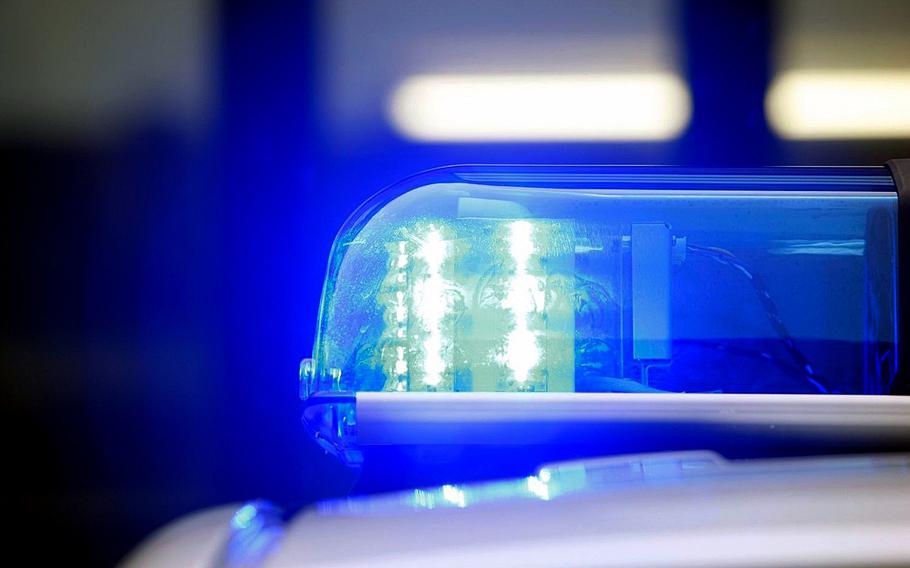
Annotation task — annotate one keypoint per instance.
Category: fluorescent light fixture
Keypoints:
(637, 106)
(818, 105)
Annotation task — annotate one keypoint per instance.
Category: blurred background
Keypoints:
(173, 174)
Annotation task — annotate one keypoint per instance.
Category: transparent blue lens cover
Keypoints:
(585, 279)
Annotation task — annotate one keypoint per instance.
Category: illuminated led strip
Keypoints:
(395, 297)
(524, 296)
(431, 306)
(401, 318)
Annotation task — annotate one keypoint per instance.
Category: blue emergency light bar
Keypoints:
(583, 294)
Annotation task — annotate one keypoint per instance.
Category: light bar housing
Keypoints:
(593, 281)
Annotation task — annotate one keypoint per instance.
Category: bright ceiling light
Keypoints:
(639, 106)
(807, 105)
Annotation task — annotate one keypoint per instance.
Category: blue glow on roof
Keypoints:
(622, 473)
(244, 517)
(256, 529)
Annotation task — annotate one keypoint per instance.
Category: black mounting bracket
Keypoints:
(900, 171)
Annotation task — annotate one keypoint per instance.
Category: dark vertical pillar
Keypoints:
(728, 50)
(270, 297)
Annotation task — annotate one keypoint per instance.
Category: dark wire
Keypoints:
(727, 258)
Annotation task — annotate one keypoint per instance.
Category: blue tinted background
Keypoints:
(163, 286)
